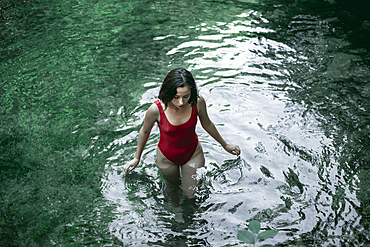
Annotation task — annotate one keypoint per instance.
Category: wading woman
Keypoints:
(179, 153)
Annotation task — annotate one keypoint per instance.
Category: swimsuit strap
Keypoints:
(158, 103)
(161, 111)
(194, 111)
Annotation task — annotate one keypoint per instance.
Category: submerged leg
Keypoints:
(190, 181)
(171, 173)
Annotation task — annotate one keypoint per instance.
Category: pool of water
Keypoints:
(288, 81)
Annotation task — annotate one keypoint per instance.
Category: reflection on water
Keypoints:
(282, 79)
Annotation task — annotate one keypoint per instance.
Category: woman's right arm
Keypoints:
(151, 116)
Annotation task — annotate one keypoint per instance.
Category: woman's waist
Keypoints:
(178, 143)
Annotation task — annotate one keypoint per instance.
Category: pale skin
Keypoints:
(177, 112)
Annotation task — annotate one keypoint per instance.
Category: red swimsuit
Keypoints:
(177, 142)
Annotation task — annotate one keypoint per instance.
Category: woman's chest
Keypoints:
(178, 117)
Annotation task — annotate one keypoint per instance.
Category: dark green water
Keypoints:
(288, 81)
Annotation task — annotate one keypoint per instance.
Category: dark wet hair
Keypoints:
(178, 78)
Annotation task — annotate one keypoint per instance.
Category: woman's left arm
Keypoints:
(211, 129)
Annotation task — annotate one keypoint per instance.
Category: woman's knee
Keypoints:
(190, 181)
(171, 175)
(190, 192)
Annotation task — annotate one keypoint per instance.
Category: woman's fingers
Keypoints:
(233, 149)
(127, 168)
(236, 150)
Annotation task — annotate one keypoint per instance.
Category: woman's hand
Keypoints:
(129, 166)
(233, 149)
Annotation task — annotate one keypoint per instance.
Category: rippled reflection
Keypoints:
(282, 79)
(279, 179)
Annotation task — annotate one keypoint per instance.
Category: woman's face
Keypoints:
(182, 97)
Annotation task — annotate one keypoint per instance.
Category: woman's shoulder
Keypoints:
(200, 98)
(201, 103)
(159, 105)
(153, 110)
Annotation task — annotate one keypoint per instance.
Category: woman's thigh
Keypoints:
(190, 181)
(170, 171)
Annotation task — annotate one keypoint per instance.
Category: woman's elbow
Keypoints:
(208, 125)
(144, 132)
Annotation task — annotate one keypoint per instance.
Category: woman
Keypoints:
(176, 113)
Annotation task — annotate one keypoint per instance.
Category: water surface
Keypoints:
(287, 81)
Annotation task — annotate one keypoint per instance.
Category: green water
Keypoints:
(288, 81)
